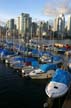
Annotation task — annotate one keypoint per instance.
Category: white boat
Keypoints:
(44, 71)
(8, 57)
(37, 74)
(18, 65)
(27, 69)
(16, 59)
(59, 84)
(55, 59)
(6, 53)
(45, 58)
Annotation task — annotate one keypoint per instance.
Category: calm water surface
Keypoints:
(17, 92)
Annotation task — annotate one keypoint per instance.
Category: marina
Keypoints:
(20, 89)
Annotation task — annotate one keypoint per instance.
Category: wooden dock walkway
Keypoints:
(67, 102)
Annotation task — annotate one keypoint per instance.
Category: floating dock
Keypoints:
(67, 102)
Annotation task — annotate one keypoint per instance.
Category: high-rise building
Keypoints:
(18, 24)
(59, 24)
(43, 28)
(10, 24)
(69, 24)
(25, 24)
(55, 25)
(34, 29)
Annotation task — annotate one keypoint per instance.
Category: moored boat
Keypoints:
(16, 59)
(6, 53)
(44, 71)
(59, 84)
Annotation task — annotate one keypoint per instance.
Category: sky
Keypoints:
(13, 8)
(38, 9)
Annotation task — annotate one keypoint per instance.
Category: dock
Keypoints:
(67, 102)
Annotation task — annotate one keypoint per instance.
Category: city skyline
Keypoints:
(36, 8)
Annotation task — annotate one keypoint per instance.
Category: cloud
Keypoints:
(55, 8)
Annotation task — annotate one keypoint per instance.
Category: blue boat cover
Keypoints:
(46, 67)
(56, 58)
(1, 50)
(18, 58)
(29, 59)
(48, 53)
(6, 52)
(20, 47)
(62, 76)
(23, 48)
(41, 53)
(35, 51)
(9, 43)
(35, 64)
(62, 49)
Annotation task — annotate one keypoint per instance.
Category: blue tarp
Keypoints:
(62, 76)
(41, 53)
(29, 59)
(62, 49)
(35, 51)
(56, 58)
(1, 50)
(48, 53)
(35, 64)
(46, 67)
(20, 47)
(19, 58)
(6, 52)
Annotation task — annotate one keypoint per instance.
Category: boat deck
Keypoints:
(67, 102)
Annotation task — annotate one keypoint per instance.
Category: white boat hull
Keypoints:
(55, 89)
(42, 75)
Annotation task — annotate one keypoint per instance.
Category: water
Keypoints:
(17, 92)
